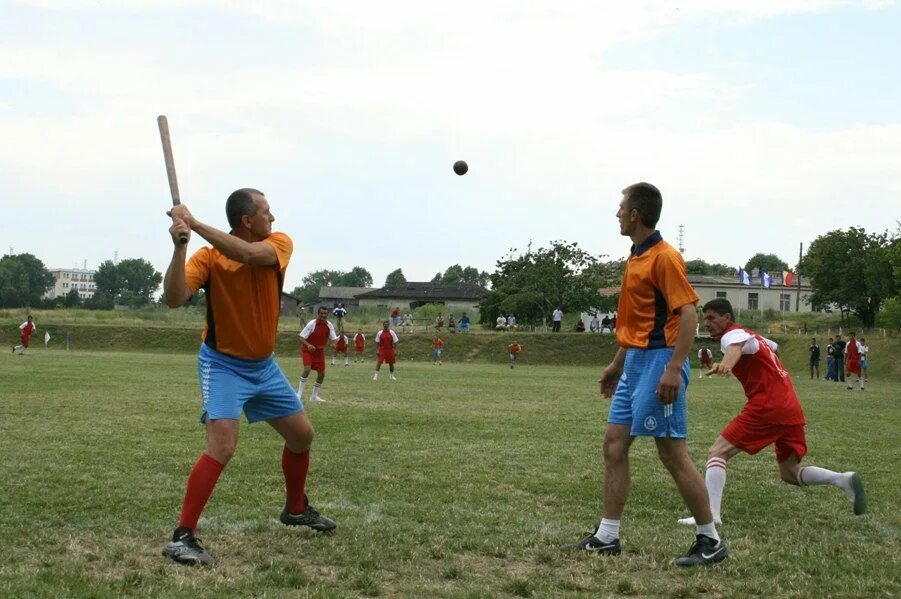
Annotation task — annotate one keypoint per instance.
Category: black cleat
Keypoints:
(185, 549)
(591, 544)
(703, 552)
(310, 517)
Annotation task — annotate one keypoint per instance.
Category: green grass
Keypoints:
(456, 481)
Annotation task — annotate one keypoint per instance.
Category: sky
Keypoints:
(764, 124)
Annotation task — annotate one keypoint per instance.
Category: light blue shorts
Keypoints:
(437, 353)
(230, 386)
(636, 403)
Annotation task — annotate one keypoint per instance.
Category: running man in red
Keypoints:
(386, 342)
(515, 349)
(706, 358)
(771, 416)
(437, 348)
(340, 347)
(852, 361)
(242, 275)
(25, 331)
(313, 339)
(359, 345)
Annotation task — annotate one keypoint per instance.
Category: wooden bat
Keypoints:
(163, 124)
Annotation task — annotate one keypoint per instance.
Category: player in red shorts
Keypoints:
(852, 361)
(313, 339)
(359, 345)
(25, 331)
(386, 341)
(771, 416)
(340, 347)
(706, 358)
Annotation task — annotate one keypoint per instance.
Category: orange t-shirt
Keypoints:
(438, 344)
(514, 348)
(242, 300)
(654, 288)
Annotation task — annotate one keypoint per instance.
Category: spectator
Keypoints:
(595, 325)
(839, 358)
(511, 321)
(395, 316)
(501, 323)
(464, 323)
(605, 324)
(613, 323)
(407, 323)
(339, 313)
(558, 319)
(830, 360)
(451, 324)
(864, 357)
(580, 326)
(814, 350)
(439, 322)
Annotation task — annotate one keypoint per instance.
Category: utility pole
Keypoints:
(681, 239)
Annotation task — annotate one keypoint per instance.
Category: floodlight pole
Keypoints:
(798, 292)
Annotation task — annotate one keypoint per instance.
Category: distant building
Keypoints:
(288, 305)
(67, 279)
(752, 297)
(330, 296)
(460, 296)
(745, 297)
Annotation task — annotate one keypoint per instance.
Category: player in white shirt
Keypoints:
(313, 339)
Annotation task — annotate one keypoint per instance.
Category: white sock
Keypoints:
(715, 479)
(608, 531)
(346, 360)
(709, 530)
(315, 393)
(333, 360)
(812, 475)
(300, 387)
(375, 377)
(861, 383)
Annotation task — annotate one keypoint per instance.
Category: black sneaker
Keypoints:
(591, 544)
(310, 517)
(704, 551)
(185, 549)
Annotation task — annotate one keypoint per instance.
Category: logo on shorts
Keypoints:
(650, 423)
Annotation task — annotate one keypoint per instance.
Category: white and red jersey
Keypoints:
(360, 341)
(341, 343)
(768, 387)
(852, 351)
(27, 329)
(385, 340)
(705, 355)
(318, 334)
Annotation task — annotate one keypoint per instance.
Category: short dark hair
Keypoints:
(321, 308)
(240, 203)
(721, 306)
(647, 200)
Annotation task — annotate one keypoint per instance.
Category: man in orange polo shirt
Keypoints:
(242, 276)
(648, 376)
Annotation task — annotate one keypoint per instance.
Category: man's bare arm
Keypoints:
(671, 379)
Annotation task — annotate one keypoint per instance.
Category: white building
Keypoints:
(68, 279)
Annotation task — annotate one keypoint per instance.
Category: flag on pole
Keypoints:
(743, 277)
(765, 279)
(787, 278)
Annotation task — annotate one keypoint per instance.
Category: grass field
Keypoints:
(456, 481)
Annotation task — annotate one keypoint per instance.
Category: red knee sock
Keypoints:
(201, 481)
(295, 467)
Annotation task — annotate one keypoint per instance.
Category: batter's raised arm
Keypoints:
(175, 290)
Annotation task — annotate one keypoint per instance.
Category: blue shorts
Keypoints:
(864, 363)
(230, 385)
(437, 353)
(636, 403)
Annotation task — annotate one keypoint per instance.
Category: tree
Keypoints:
(770, 263)
(458, 274)
(395, 278)
(700, 267)
(357, 277)
(851, 269)
(131, 282)
(890, 315)
(72, 299)
(531, 285)
(23, 281)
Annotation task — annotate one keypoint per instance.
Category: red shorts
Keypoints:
(852, 367)
(25, 340)
(341, 350)
(314, 361)
(752, 434)
(706, 363)
(385, 356)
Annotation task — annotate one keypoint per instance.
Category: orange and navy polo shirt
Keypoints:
(242, 300)
(654, 288)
